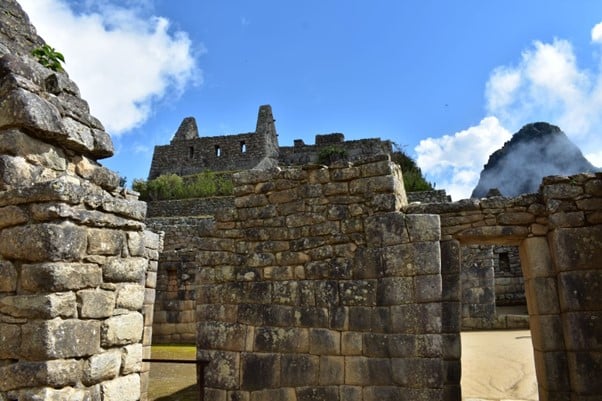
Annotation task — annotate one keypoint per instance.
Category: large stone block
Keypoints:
(318, 394)
(125, 270)
(131, 359)
(101, 367)
(364, 371)
(298, 370)
(221, 336)
(47, 306)
(260, 371)
(324, 342)
(95, 303)
(122, 329)
(386, 229)
(411, 259)
(395, 291)
(59, 338)
(418, 372)
(44, 242)
(580, 290)
(583, 331)
(11, 215)
(576, 248)
(10, 341)
(223, 370)
(423, 227)
(49, 277)
(55, 373)
(280, 339)
(332, 370)
(8, 276)
(124, 388)
(130, 296)
(105, 242)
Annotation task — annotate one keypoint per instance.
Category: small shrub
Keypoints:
(172, 186)
(331, 154)
(49, 57)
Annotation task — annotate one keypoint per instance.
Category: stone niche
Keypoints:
(77, 266)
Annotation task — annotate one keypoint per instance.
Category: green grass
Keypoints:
(172, 381)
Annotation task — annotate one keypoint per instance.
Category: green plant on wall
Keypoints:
(49, 57)
(331, 154)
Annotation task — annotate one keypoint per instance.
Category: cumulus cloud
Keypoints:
(546, 84)
(454, 161)
(123, 59)
(597, 33)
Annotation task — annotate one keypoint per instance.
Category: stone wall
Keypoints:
(316, 287)
(174, 309)
(74, 254)
(188, 154)
(300, 153)
(559, 234)
(189, 207)
(434, 196)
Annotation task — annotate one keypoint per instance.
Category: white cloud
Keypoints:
(546, 85)
(123, 60)
(597, 33)
(454, 161)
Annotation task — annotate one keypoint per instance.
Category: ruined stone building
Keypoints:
(311, 283)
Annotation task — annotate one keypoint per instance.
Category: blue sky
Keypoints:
(449, 81)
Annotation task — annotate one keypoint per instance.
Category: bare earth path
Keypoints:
(498, 365)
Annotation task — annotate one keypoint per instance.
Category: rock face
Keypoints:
(536, 151)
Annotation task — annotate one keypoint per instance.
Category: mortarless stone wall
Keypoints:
(76, 263)
(316, 287)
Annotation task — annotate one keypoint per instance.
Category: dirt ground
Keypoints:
(496, 365)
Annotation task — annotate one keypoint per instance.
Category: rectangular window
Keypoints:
(218, 151)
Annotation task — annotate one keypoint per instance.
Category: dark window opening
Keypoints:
(504, 262)
(243, 147)
(191, 152)
(218, 151)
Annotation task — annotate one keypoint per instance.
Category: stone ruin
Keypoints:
(77, 266)
(317, 284)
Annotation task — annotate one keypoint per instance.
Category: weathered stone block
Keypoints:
(552, 370)
(580, 290)
(10, 340)
(50, 277)
(221, 336)
(318, 394)
(8, 276)
(423, 227)
(394, 291)
(332, 370)
(384, 393)
(122, 329)
(418, 372)
(47, 306)
(260, 371)
(364, 371)
(131, 359)
(223, 370)
(130, 296)
(582, 331)
(280, 394)
(351, 343)
(59, 338)
(576, 248)
(350, 393)
(386, 229)
(324, 342)
(105, 242)
(298, 370)
(11, 215)
(280, 339)
(125, 270)
(43, 242)
(584, 369)
(416, 318)
(512, 218)
(543, 294)
(95, 303)
(124, 388)
(358, 292)
(411, 259)
(535, 258)
(101, 367)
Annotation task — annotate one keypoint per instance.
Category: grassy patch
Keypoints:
(171, 381)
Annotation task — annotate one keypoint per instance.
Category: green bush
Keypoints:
(331, 154)
(172, 186)
(413, 179)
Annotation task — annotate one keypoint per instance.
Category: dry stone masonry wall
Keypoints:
(316, 287)
(76, 263)
(559, 234)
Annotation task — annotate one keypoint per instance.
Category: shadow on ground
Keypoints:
(190, 393)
